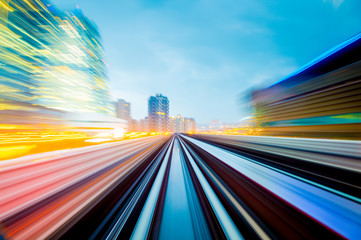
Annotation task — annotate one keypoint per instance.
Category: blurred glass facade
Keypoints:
(322, 99)
(50, 60)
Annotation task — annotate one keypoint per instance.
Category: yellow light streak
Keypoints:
(6, 6)
(14, 151)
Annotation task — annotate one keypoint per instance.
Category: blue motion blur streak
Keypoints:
(176, 219)
(228, 226)
(321, 57)
(143, 224)
(339, 214)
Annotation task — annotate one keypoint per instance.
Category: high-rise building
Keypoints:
(158, 113)
(190, 125)
(52, 68)
(122, 109)
(51, 59)
(180, 124)
(172, 124)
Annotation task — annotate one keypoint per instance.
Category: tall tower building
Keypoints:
(158, 113)
(122, 109)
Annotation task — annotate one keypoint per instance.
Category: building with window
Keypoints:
(158, 113)
(122, 109)
(181, 124)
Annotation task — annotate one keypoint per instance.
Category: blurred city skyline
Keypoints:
(203, 54)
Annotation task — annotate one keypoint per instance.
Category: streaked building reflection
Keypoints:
(322, 99)
(52, 61)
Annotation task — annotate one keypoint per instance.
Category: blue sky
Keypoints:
(204, 54)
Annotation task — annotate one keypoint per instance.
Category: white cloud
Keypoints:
(192, 85)
(201, 60)
(335, 3)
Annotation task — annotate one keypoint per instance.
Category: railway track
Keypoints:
(185, 187)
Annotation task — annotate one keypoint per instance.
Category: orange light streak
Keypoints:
(81, 190)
